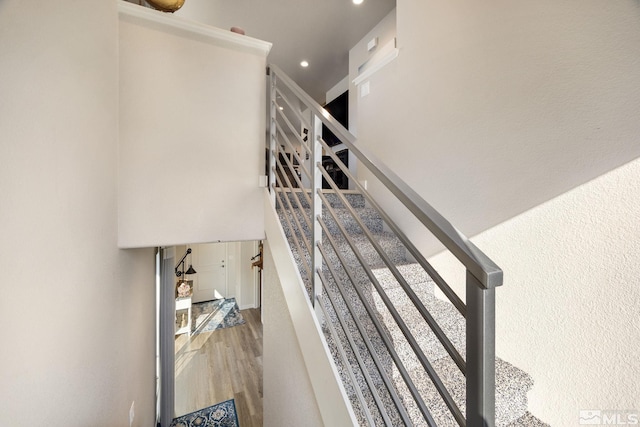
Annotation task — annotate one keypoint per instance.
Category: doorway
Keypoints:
(197, 365)
(211, 281)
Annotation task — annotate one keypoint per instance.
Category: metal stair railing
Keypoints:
(295, 180)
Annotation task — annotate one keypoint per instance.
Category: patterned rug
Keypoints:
(211, 315)
(219, 415)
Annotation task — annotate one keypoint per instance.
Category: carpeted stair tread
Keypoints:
(512, 384)
(370, 218)
(297, 199)
(527, 420)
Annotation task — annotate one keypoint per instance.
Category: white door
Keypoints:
(210, 262)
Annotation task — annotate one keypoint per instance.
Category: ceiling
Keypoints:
(318, 31)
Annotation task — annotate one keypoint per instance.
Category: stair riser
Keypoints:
(369, 218)
(297, 199)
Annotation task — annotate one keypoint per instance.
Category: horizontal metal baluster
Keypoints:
(303, 237)
(300, 209)
(420, 259)
(288, 208)
(437, 382)
(295, 153)
(367, 341)
(294, 131)
(390, 347)
(486, 275)
(293, 234)
(271, 145)
(345, 360)
(293, 108)
(442, 337)
(489, 275)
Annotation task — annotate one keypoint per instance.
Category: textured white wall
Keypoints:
(191, 137)
(492, 108)
(77, 314)
(568, 312)
(495, 112)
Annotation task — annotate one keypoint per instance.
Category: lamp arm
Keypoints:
(179, 273)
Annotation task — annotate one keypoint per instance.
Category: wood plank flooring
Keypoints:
(224, 364)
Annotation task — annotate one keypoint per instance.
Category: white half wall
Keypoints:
(288, 394)
(301, 383)
(191, 131)
(78, 341)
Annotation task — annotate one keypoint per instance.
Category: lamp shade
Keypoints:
(190, 270)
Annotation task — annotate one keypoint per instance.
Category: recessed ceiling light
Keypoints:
(357, 1)
(304, 64)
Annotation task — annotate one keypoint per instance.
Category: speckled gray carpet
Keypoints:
(512, 384)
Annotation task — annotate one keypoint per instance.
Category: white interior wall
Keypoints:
(360, 55)
(191, 133)
(568, 312)
(288, 398)
(77, 312)
(494, 108)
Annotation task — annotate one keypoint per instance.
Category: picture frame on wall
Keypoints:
(184, 288)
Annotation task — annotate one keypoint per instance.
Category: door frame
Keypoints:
(166, 325)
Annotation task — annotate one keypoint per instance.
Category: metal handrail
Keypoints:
(489, 275)
(482, 274)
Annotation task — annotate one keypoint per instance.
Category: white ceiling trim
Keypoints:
(214, 35)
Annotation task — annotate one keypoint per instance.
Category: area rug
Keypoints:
(219, 415)
(211, 315)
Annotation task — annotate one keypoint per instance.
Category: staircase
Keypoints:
(406, 354)
(512, 384)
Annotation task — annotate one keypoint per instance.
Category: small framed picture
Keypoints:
(184, 288)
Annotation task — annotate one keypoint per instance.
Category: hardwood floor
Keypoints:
(224, 364)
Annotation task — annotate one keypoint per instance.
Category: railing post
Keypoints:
(481, 354)
(272, 134)
(316, 209)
